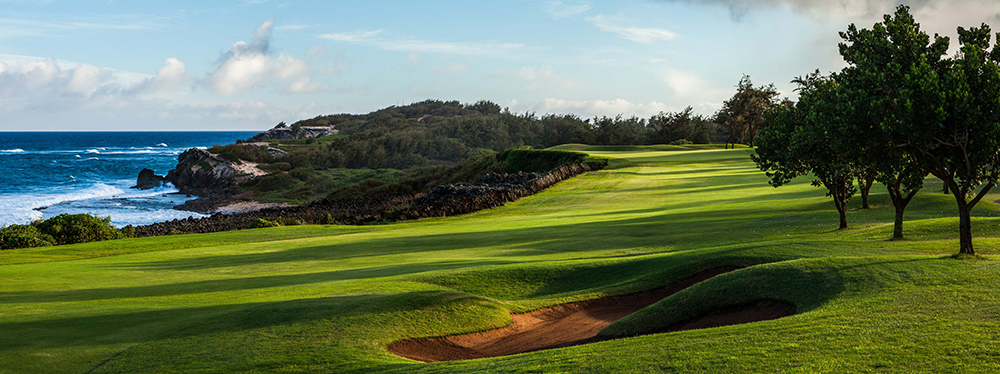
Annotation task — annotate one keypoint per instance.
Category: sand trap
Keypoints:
(577, 323)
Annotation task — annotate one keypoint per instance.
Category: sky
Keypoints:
(117, 65)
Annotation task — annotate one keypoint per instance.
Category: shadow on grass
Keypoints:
(235, 284)
(656, 230)
(137, 327)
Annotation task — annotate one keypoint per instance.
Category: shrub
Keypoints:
(261, 223)
(79, 228)
(681, 142)
(23, 236)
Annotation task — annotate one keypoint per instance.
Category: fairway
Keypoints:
(332, 298)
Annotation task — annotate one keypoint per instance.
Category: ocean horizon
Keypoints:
(47, 173)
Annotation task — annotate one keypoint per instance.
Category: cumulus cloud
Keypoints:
(248, 66)
(683, 83)
(558, 9)
(589, 108)
(375, 38)
(172, 76)
(47, 77)
(646, 35)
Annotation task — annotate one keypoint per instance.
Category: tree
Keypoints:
(743, 114)
(668, 127)
(891, 89)
(943, 114)
(798, 141)
(965, 151)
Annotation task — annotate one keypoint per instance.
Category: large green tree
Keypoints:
(798, 141)
(941, 115)
(891, 90)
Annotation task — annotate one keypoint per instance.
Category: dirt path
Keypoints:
(577, 323)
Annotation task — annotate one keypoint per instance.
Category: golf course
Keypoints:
(333, 298)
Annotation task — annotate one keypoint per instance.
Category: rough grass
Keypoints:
(330, 298)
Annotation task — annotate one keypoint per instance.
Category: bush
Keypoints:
(79, 228)
(681, 142)
(24, 236)
(261, 223)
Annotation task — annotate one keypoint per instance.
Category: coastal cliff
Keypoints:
(202, 173)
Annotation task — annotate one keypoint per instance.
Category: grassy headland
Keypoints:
(331, 298)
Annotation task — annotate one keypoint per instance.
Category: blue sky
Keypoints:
(248, 64)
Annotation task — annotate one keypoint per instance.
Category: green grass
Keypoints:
(330, 298)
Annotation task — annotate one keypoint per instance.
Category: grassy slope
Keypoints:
(329, 298)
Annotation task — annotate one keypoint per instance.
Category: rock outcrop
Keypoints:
(293, 132)
(201, 173)
(147, 179)
(490, 191)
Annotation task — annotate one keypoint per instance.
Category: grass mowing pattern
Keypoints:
(330, 298)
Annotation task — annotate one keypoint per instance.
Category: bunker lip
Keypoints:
(578, 323)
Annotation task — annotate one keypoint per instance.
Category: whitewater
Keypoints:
(43, 174)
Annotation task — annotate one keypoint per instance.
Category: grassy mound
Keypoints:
(327, 298)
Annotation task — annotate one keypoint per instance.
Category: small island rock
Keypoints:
(147, 179)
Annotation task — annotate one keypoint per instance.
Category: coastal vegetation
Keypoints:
(60, 230)
(418, 146)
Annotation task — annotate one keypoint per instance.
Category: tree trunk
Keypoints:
(866, 186)
(965, 229)
(839, 193)
(964, 219)
(843, 216)
(900, 203)
(897, 226)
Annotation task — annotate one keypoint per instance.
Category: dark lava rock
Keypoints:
(148, 179)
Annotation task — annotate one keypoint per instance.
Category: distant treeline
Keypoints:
(436, 132)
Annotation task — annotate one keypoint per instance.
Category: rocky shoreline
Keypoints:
(490, 191)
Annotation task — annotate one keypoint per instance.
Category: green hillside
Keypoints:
(331, 298)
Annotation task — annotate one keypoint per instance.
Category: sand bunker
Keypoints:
(577, 323)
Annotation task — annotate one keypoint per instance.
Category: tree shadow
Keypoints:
(234, 284)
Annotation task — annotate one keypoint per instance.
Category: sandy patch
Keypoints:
(576, 323)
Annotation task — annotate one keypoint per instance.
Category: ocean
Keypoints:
(44, 174)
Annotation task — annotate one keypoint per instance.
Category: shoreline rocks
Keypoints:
(490, 191)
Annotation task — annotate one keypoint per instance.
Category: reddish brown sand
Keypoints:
(577, 323)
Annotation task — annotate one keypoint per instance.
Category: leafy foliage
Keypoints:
(798, 141)
(936, 115)
(79, 228)
(743, 114)
(62, 229)
(24, 236)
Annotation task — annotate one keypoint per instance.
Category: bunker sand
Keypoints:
(577, 323)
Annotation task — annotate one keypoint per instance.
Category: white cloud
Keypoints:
(51, 27)
(637, 34)
(373, 38)
(589, 108)
(248, 66)
(290, 27)
(171, 77)
(538, 76)
(352, 36)
(682, 82)
(86, 78)
(558, 9)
